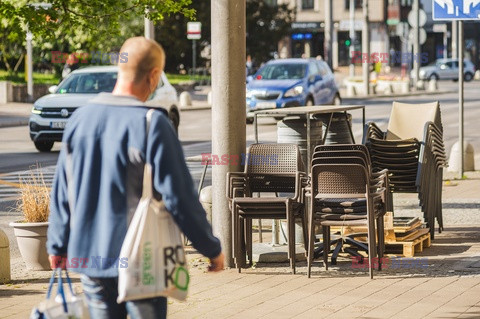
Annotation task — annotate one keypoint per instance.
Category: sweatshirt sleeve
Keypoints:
(174, 182)
(59, 219)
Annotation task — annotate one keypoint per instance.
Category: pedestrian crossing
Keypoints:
(10, 183)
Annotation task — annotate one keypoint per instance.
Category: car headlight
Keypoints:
(297, 90)
(36, 110)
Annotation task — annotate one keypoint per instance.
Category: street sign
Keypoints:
(194, 30)
(344, 25)
(422, 18)
(456, 9)
(422, 35)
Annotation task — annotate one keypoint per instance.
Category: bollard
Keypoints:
(420, 85)
(477, 75)
(206, 200)
(4, 258)
(351, 90)
(468, 158)
(432, 85)
(185, 99)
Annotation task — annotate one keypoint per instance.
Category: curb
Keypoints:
(369, 97)
(14, 122)
(195, 108)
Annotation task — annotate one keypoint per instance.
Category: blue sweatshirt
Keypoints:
(98, 184)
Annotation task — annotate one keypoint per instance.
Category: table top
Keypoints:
(315, 109)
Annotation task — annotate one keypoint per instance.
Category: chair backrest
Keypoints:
(339, 181)
(408, 120)
(341, 160)
(273, 167)
(341, 147)
(348, 153)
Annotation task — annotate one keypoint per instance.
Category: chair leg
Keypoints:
(242, 249)
(371, 237)
(336, 251)
(235, 235)
(249, 235)
(311, 242)
(305, 233)
(381, 241)
(326, 245)
(291, 237)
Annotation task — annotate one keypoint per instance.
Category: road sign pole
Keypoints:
(416, 42)
(352, 37)
(366, 48)
(194, 56)
(460, 94)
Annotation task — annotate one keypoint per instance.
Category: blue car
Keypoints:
(291, 82)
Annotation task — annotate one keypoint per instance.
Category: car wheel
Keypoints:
(175, 119)
(433, 77)
(43, 146)
(468, 76)
(337, 100)
(309, 102)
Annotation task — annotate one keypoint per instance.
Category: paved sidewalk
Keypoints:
(448, 288)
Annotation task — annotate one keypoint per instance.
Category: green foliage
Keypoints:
(19, 77)
(266, 26)
(77, 25)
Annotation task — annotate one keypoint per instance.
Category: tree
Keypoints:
(266, 26)
(78, 25)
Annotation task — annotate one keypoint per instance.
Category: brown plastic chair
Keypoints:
(412, 150)
(345, 181)
(283, 174)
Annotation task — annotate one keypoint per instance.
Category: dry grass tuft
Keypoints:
(35, 197)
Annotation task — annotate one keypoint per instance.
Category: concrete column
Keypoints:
(366, 48)
(228, 107)
(335, 46)
(327, 43)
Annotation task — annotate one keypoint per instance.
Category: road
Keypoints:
(17, 153)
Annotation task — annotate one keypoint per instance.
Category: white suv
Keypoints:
(51, 112)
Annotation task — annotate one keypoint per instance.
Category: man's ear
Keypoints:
(154, 77)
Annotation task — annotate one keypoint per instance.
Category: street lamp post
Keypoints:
(366, 48)
(29, 38)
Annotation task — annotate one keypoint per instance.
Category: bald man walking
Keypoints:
(98, 184)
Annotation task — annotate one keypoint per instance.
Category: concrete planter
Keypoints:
(355, 87)
(392, 87)
(32, 240)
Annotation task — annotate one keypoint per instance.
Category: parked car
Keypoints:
(445, 69)
(51, 112)
(291, 82)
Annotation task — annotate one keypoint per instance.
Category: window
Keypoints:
(282, 71)
(307, 4)
(89, 83)
(313, 69)
(358, 4)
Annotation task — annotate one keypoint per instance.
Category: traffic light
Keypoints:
(348, 42)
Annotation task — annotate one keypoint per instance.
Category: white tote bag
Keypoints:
(157, 265)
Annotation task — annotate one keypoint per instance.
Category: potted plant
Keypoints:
(31, 232)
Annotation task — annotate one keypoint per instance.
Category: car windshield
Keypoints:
(88, 83)
(282, 71)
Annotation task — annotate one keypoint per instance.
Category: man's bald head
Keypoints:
(143, 56)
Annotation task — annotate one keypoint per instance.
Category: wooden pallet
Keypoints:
(415, 243)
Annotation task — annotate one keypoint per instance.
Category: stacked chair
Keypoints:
(284, 174)
(413, 152)
(345, 192)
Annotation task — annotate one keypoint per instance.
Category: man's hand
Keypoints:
(57, 261)
(217, 263)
